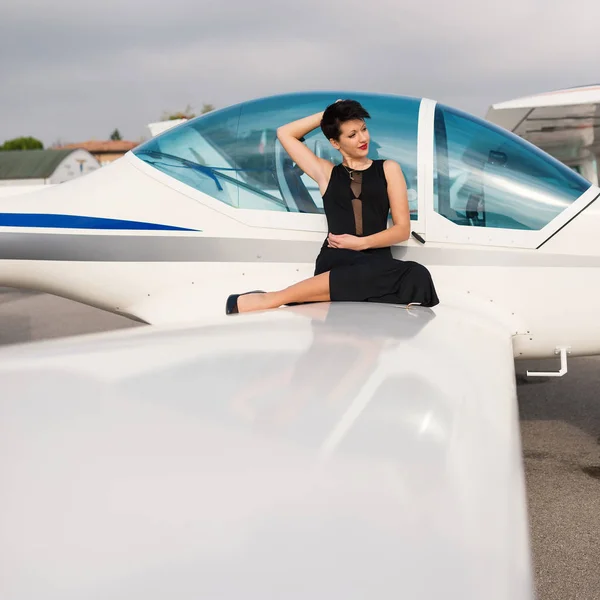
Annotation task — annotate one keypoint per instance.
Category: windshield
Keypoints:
(485, 176)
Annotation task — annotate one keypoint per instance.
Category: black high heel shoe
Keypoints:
(231, 306)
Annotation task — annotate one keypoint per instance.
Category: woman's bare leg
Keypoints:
(315, 289)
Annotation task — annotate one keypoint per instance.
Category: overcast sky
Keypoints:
(74, 70)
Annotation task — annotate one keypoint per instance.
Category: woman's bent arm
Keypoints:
(398, 196)
(289, 135)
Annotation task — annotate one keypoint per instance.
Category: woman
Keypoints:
(355, 263)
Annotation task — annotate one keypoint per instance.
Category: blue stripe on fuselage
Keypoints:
(79, 222)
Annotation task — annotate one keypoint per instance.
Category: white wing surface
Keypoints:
(351, 451)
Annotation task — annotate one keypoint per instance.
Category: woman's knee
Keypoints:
(419, 269)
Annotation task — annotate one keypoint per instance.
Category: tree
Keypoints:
(184, 114)
(115, 136)
(187, 113)
(22, 143)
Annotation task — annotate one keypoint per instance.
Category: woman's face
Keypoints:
(354, 139)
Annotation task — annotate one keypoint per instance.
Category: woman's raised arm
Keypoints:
(289, 135)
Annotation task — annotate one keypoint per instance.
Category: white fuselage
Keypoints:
(544, 291)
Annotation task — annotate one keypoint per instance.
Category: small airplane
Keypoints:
(565, 123)
(320, 450)
(214, 205)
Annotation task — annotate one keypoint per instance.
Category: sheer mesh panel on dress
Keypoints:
(356, 187)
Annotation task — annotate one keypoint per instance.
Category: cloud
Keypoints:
(75, 71)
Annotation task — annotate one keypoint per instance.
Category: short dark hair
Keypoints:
(339, 112)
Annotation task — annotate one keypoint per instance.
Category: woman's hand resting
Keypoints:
(349, 242)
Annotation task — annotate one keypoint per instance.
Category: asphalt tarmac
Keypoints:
(560, 426)
(560, 430)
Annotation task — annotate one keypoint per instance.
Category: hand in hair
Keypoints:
(290, 135)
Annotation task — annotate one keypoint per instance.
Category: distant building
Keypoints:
(42, 167)
(104, 151)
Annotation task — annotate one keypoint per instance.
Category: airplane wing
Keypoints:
(320, 451)
(564, 123)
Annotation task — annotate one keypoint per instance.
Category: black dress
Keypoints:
(357, 203)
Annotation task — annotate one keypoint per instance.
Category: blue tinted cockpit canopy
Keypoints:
(234, 156)
(483, 176)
